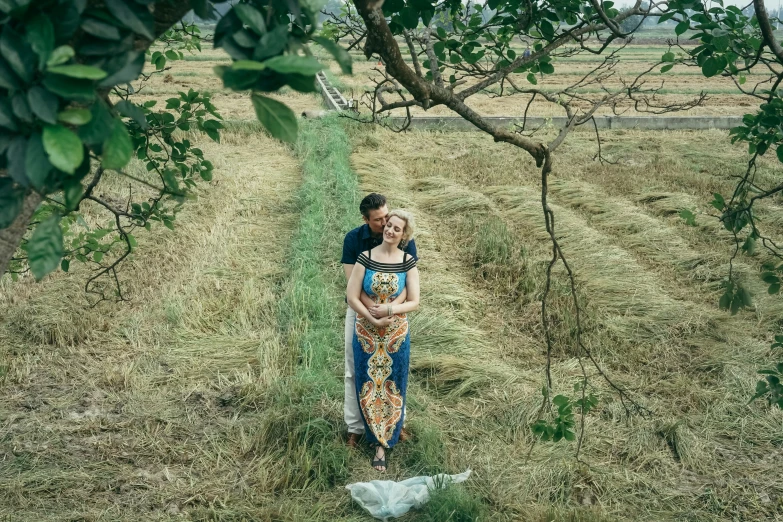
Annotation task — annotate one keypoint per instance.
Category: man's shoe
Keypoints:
(353, 440)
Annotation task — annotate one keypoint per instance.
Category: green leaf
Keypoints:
(137, 18)
(100, 29)
(45, 248)
(75, 116)
(711, 67)
(203, 9)
(689, 217)
(779, 153)
(342, 56)
(749, 247)
(291, 63)
(245, 38)
(719, 203)
(11, 200)
(272, 43)
(547, 30)
(131, 66)
(721, 43)
(97, 256)
(21, 108)
(131, 110)
(18, 54)
(70, 88)
(43, 104)
(410, 18)
(532, 78)
(251, 17)
(73, 191)
(682, 27)
(668, 57)
(301, 83)
(667, 68)
(63, 147)
(8, 79)
(547, 68)
(40, 34)
(118, 148)
(37, 165)
(7, 119)
(439, 48)
(60, 55)
(99, 127)
(158, 59)
(84, 72)
(65, 265)
(276, 117)
(773, 289)
(15, 155)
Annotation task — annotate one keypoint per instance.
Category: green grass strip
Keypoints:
(303, 420)
(314, 314)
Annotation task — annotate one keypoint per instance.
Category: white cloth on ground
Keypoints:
(385, 499)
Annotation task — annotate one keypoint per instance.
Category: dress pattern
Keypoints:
(382, 355)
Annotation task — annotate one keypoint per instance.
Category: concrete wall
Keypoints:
(603, 122)
(332, 98)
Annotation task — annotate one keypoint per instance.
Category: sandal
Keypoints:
(379, 461)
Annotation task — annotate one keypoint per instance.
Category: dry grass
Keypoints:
(649, 284)
(155, 408)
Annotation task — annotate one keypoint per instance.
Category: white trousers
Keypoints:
(351, 411)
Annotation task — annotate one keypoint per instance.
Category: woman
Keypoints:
(381, 340)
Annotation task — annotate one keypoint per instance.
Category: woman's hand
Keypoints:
(383, 322)
(378, 311)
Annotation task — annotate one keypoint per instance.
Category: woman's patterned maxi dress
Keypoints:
(381, 355)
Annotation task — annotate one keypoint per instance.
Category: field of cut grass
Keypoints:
(215, 394)
(650, 286)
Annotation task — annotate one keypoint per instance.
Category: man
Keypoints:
(374, 210)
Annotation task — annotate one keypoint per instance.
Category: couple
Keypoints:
(379, 259)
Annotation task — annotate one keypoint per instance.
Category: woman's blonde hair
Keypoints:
(410, 224)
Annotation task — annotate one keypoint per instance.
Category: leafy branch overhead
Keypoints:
(67, 116)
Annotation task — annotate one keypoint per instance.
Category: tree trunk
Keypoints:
(11, 237)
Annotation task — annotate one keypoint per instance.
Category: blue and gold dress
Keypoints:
(381, 355)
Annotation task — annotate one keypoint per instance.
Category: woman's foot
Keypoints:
(379, 462)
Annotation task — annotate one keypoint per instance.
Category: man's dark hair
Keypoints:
(370, 202)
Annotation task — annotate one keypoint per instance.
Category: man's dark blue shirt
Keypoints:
(360, 240)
